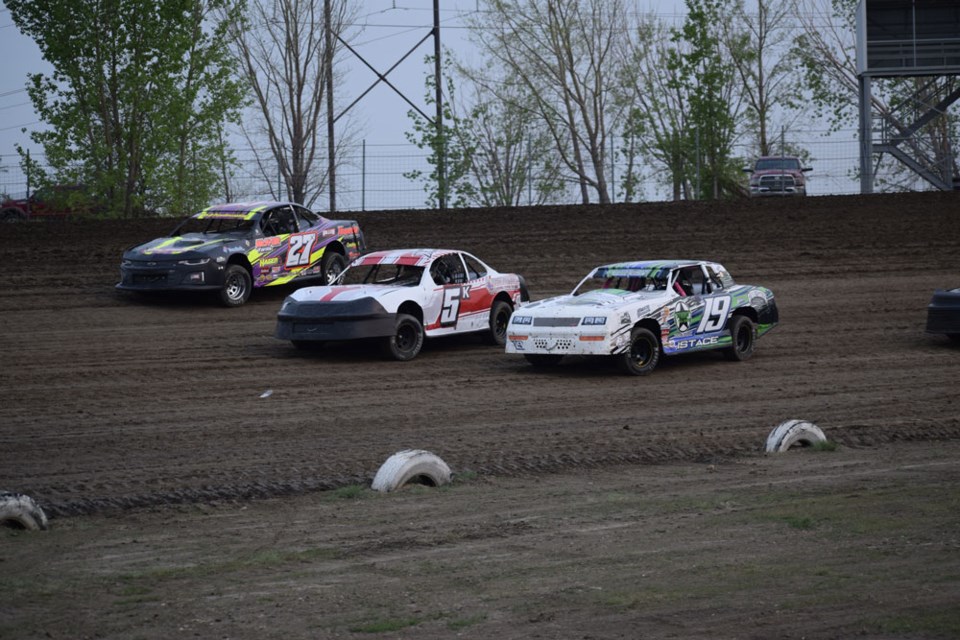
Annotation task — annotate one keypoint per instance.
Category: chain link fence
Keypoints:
(371, 177)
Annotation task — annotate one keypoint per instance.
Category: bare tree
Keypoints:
(657, 109)
(826, 49)
(281, 49)
(771, 80)
(562, 53)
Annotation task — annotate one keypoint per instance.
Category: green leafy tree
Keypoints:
(450, 146)
(138, 97)
(700, 66)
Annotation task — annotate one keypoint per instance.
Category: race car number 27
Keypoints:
(298, 255)
(715, 314)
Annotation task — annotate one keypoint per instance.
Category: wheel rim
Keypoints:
(235, 288)
(500, 324)
(640, 352)
(406, 338)
(333, 271)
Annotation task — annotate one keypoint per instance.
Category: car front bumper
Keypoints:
(527, 340)
(331, 321)
(169, 275)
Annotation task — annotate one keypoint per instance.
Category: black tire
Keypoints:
(744, 335)
(524, 292)
(500, 313)
(643, 355)
(407, 339)
(237, 285)
(332, 265)
(543, 360)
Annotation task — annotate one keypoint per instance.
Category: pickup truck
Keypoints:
(777, 176)
(60, 201)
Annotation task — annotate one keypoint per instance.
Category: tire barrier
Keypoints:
(21, 512)
(411, 465)
(792, 433)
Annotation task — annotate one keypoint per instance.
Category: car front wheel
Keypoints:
(237, 285)
(500, 313)
(643, 355)
(744, 336)
(407, 339)
(332, 265)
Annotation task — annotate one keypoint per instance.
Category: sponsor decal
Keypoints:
(234, 249)
(266, 262)
(682, 311)
(268, 242)
(694, 343)
(329, 233)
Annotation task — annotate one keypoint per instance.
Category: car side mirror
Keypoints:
(805, 169)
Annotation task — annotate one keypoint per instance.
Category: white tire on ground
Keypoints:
(793, 432)
(20, 511)
(411, 465)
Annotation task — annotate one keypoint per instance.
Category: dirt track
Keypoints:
(113, 403)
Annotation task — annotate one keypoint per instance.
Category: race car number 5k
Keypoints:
(451, 306)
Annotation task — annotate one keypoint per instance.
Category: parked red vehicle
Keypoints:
(778, 176)
(60, 201)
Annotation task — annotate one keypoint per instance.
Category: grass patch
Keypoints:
(803, 523)
(463, 623)
(350, 492)
(826, 445)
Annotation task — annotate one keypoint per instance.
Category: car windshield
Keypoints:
(402, 275)
(785, 164)
(623, 281)
(213, 225)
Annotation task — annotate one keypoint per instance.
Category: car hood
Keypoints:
(596, 302)
(348, 293)
(191, 243)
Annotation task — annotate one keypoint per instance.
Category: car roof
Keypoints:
(647, 265)
(418, 257)
(239, 210)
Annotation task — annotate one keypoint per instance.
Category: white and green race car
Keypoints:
(637, 312)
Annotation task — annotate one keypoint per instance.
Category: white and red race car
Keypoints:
(401, 296)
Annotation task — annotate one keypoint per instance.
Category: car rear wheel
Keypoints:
(500, 313)
(643, 355)
(744, 335)
(407, 339)
(237, 285)
(332, 265)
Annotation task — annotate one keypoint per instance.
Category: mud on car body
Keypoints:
(399, 297)
(638, 311)
(231, 248)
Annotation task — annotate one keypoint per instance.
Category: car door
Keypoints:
(277, 259)
(700, 313)
(451, 291)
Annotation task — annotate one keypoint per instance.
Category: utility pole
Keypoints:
(328, 63)
(442, 146)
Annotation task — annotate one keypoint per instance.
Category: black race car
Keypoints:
(231, 248)
(943, 313)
